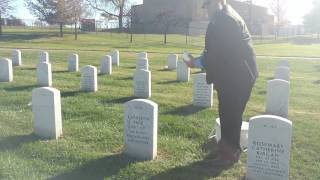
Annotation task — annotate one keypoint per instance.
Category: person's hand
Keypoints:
(189, 63)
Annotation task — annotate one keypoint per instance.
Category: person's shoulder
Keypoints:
(229, 16)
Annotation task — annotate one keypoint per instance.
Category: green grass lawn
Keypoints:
(92, 143)
(102, 41)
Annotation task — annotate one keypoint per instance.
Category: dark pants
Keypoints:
(232, 103)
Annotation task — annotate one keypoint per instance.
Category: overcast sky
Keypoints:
(296, 9)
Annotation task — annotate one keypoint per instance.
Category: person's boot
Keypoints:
(227, 155)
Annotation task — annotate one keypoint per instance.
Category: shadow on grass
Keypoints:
(21, 88)
(60, 72)
(14, 142)
(168, 82)
(203, 169)
(23, 37)
(166, 70)
(199, 72)
(185, 110)
(70, 93)
(262, 92)
(317, 82)
(119, 100)
(28, 68)
(131, 67)
(98, 169)
(125, 78)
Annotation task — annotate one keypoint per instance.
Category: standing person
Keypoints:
(230, 64)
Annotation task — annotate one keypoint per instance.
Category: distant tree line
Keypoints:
(312, 19)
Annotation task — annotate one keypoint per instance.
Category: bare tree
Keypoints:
(112, 9)
(167, 19)
(5, 8)
(312, 19)
(78, 10)
(279, 8)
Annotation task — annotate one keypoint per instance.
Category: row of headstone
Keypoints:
(282, 71)
(140, 121)
(278, 91)
(270, 136)
(142, 61)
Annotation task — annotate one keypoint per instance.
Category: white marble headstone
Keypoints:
(172, 61)
(183, 72)
(44, 74)
(46, 108)
(269, 147)
(6, 71)
(106, 65)
(89, 80)
(284, 63)
(142, 55)
(278, 93)
(202, 92)
(142, 84)
(115, 57)
(16, 58)
(73, 63)
(243, 135)
(143, 64)
(141, 129)
(44, 56)
(282, 73)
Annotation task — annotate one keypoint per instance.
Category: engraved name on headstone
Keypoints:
(73, 63)
(89, 81)
(141, 129)
(142, 84)
(269, 147)
(202, 92)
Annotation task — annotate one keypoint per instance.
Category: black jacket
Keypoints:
(229, 58)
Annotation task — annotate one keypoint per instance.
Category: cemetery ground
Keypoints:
(93, 123)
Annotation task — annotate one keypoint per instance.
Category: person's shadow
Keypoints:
(98, 169)
(198, 170)
(14, 142)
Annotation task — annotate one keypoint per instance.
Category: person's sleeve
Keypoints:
(198, 62)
